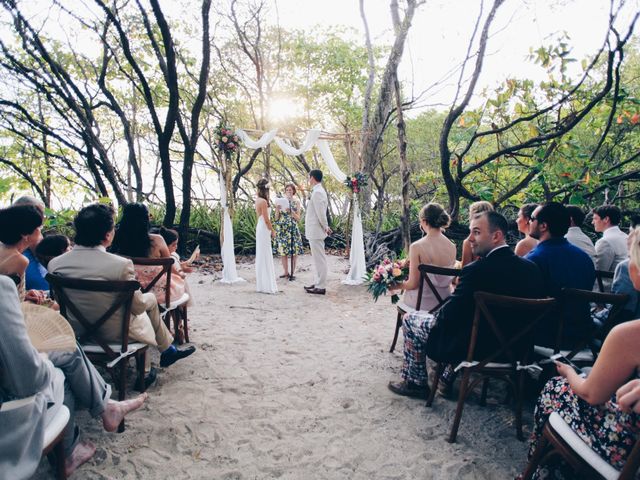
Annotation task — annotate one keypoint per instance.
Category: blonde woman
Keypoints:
(265, 272)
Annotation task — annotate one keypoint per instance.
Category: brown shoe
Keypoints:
(409, 389)
(310, 288)
(317, 291)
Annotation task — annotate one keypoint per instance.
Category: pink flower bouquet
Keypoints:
(385, 276)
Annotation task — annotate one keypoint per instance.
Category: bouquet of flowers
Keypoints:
(356, 181)
(226, 140)
(385, 275)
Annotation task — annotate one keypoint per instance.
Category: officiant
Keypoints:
(288, 241)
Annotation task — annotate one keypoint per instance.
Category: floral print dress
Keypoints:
(288, 240)
(609, 432)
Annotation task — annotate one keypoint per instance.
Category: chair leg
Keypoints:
(483, 393)
(140, 361)
(58, 453)
(539, 452)
(167, 319)
(519, 385)
(122, 387)
(185, 323)
(464, 384)
(175, 314)
(395, 336)
(436, 381)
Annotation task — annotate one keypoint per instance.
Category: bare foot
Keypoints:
(82, 453)
(116, 411)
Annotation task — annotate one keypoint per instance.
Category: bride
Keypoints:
(265, 272)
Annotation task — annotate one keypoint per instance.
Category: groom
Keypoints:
(316, 229)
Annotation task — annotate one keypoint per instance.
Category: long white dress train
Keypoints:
(265, 271)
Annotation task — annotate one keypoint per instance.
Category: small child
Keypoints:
(171, 238)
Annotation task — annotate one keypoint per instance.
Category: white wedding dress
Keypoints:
(265, 271)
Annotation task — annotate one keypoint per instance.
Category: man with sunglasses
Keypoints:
(563, 265)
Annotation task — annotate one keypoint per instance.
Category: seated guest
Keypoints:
(445, 336)
(603, 409)
(171, 237)
(575, 235)
(133, 239)
(433, 249)
(622, 285)
(475, 208)
(563, 265)
(90, 260)
(66, 378)
(611, 249)
(35, 270)
(52, 246)
(528, 243)
(20, 230)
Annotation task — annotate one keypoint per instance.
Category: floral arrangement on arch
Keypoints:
(386, 275)
(356, 181)
(226, 140)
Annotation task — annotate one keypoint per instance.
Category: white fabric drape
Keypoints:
(356, 257)
(332, 165)
(227, 252)
(265, 139)
(309, 141)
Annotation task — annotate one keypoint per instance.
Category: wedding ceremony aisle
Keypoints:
(294, 386)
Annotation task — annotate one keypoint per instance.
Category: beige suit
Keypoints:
(315, 226)
(95, 263)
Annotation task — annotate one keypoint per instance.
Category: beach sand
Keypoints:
(294, 386)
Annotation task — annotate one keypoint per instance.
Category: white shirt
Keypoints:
(611, 249)
(578, 238)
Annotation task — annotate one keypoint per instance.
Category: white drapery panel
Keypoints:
(265, 139)
(332, 165)
(356, 257)
(227, 251)
(309, 141)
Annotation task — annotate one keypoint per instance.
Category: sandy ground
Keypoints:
(293, 386)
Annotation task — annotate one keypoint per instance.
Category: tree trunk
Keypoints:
(404, 169)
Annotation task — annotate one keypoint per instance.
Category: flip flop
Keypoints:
(286, 275)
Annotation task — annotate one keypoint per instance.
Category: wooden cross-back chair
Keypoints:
(601, 276)
(509, 361)
(52, 444)
(424, 278)
(114, 356)
(559, 439)
(172, 308)
(584, 350)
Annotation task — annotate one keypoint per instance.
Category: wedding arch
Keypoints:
(313, 138)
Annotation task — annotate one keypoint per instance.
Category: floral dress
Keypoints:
(288, 240)
(609, 432)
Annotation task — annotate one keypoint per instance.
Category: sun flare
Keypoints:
(284, 108)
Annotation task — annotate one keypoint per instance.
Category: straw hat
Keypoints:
(47, 329)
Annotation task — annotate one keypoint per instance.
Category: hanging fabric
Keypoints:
(227, 252)
(265, 139)
(357, 258)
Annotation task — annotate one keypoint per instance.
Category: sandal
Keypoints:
(286, 275)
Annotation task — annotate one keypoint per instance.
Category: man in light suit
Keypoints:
(316, 229)
(90, 260)
(66, 378)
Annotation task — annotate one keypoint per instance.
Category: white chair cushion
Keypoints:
(582, 356)
(56, 425)
(577, 444)
(176, 303)
(405, 308)
(133, 347)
